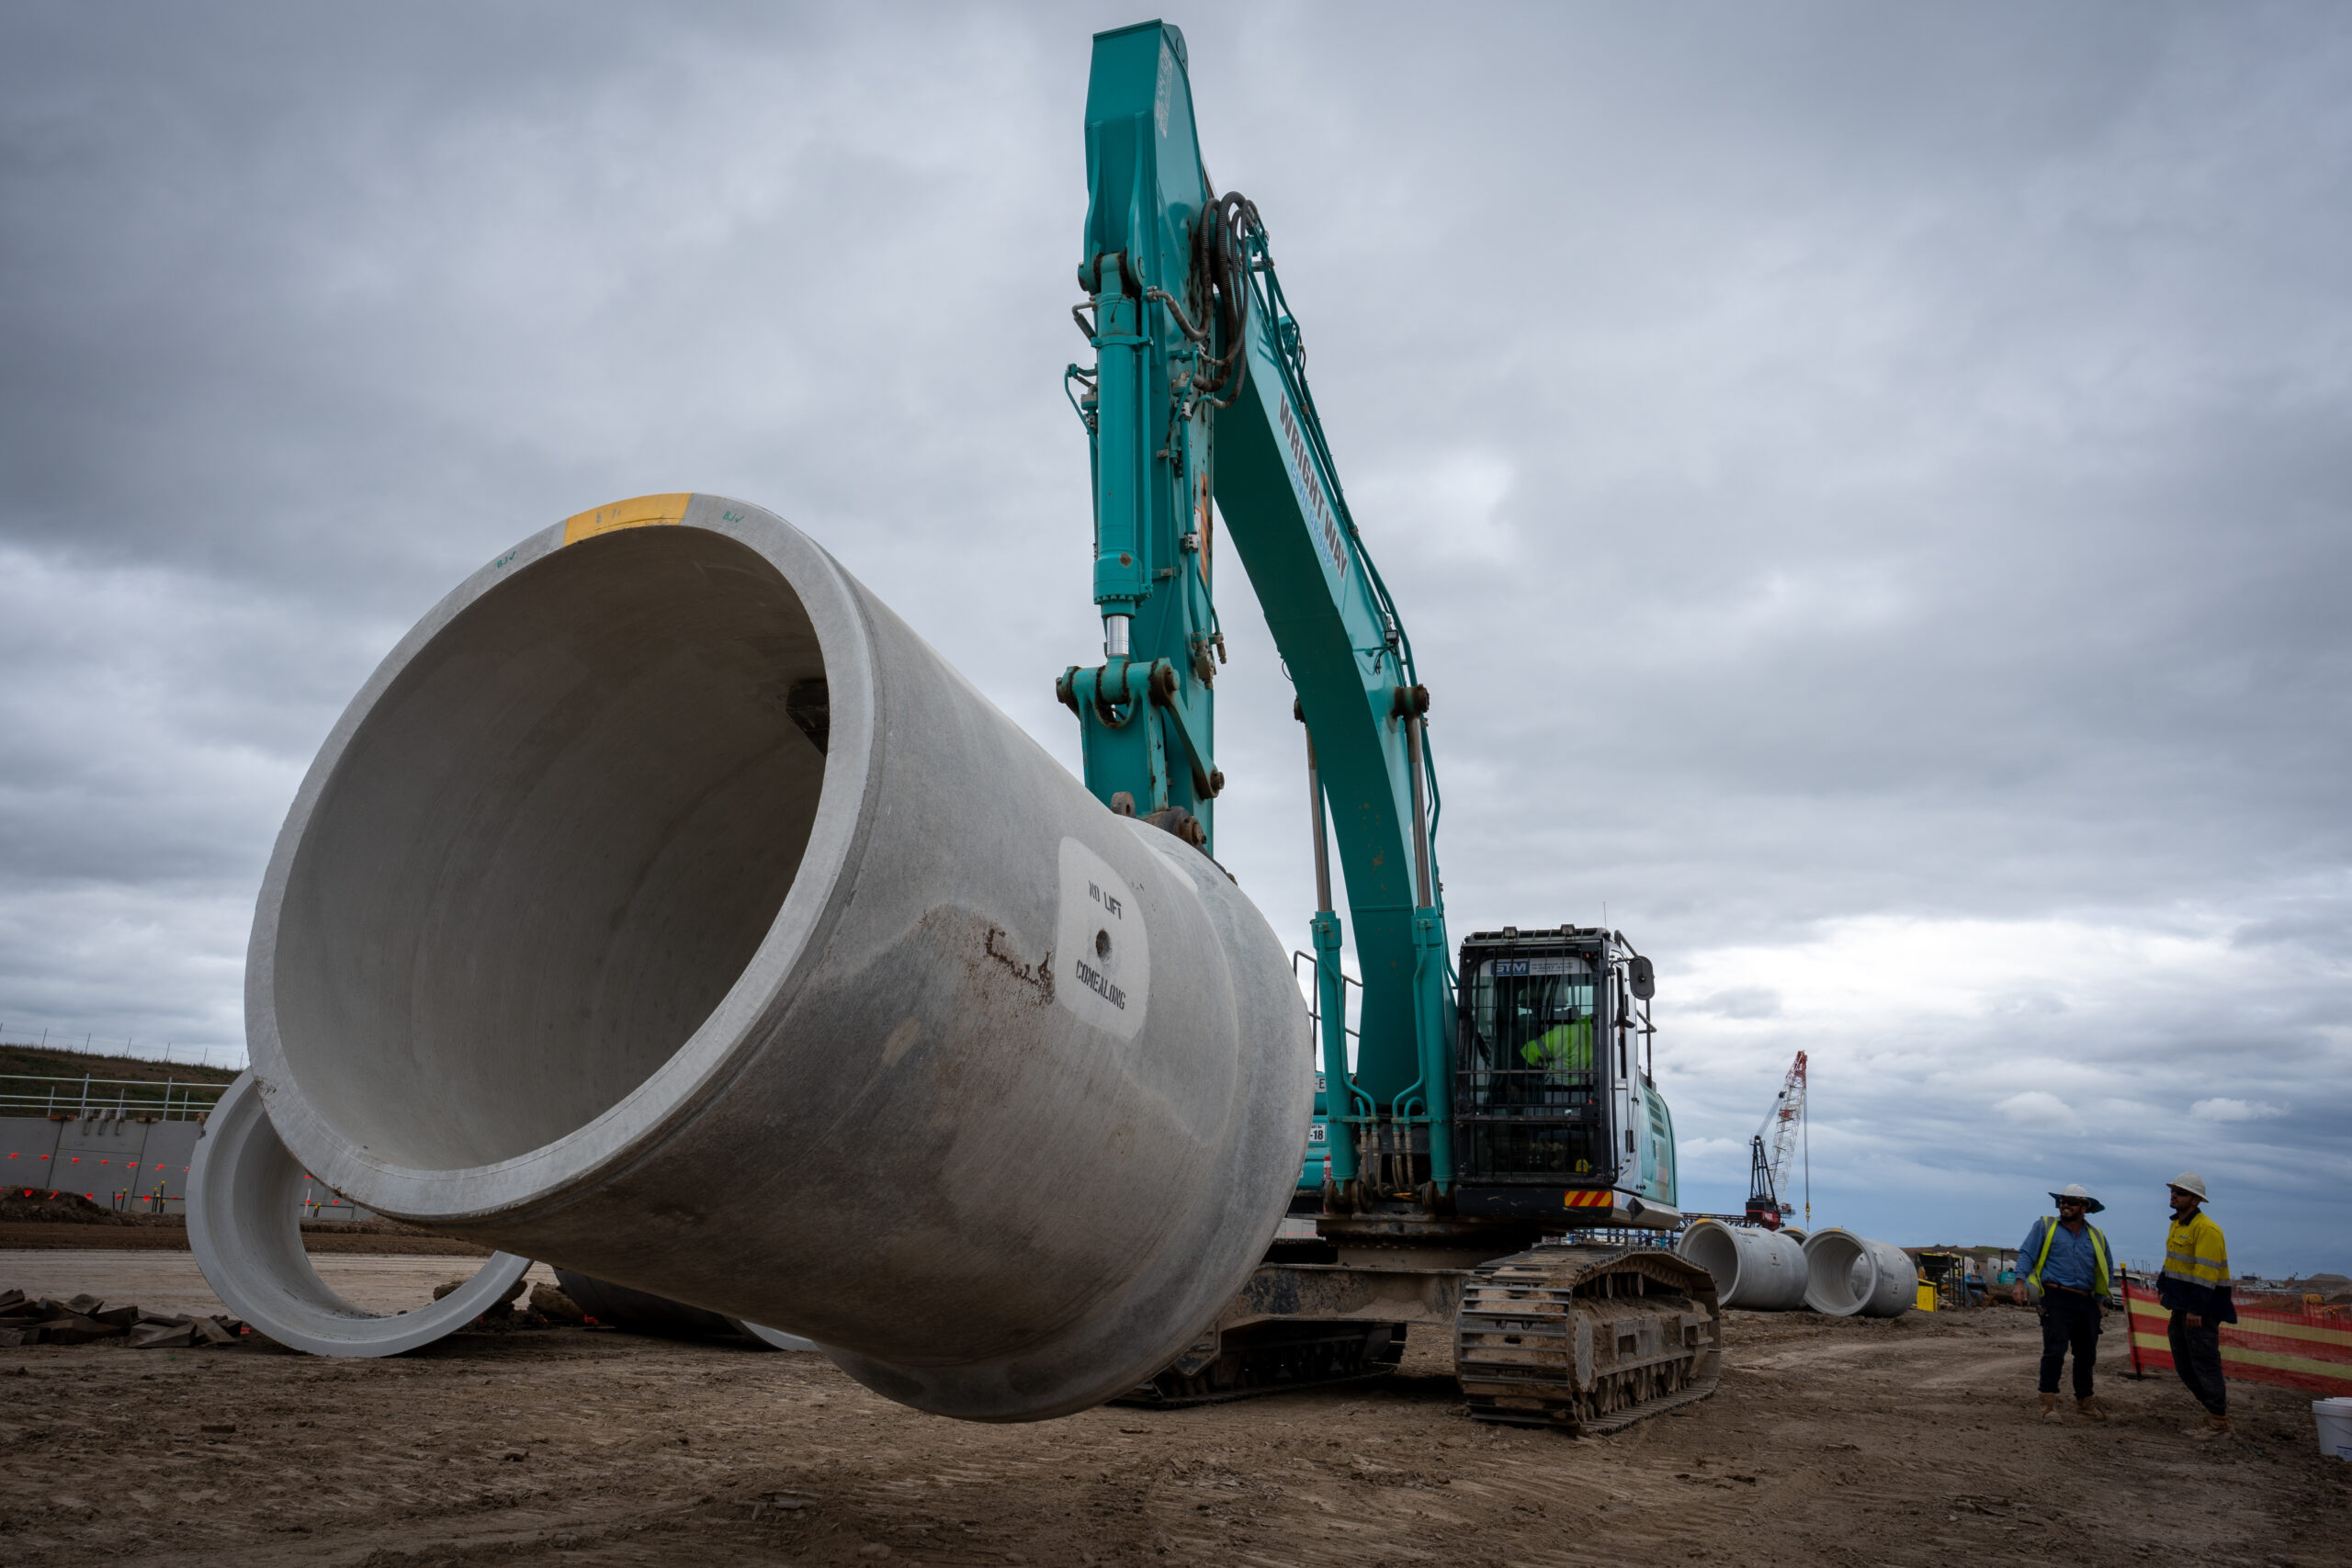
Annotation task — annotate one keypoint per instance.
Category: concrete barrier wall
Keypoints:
(119, 1162)
(123, 1163)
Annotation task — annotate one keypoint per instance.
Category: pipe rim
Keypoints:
(1826, 1290)
(700, 1065)
(1714, 1235)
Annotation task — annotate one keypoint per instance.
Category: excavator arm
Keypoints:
(1198, 392)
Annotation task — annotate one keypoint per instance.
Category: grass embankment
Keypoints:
(54, 1062)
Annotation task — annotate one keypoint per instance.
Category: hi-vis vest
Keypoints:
(2099, 1254)
(1563, 1048)
(2196, 1252)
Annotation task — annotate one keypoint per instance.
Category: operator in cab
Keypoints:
(2196, 1287)
(1563, 1048)
(2063, 1260)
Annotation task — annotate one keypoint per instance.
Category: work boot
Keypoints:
(2089, 1405)
(2050, 1407)
(2214, 1426)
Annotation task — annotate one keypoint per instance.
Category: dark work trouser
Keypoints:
(2196, 1355)
(2069, 1320)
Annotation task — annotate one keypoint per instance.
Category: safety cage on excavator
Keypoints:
(1533, 1065)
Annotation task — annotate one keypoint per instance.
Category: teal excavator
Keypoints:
(1490, 1156)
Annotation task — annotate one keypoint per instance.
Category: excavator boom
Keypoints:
(1430, 1211)
(1199, 391)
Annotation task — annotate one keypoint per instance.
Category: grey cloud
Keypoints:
(1835, 467)
(1742, 1002)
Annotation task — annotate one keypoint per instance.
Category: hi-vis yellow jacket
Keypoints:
(1563, 1048)
(2196, 1270)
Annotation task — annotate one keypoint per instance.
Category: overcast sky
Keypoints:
(1869, 489)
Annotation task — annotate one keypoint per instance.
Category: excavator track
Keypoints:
(1272, 1357)
(1584, 1339)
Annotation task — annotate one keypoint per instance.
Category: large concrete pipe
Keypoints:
(663, 908)
(1850, 1276)
(1753, 1267)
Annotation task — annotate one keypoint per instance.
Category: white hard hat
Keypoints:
(2189, 1181)
(2076, 1189)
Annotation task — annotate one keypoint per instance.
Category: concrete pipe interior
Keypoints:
(1842, 1273)
(551, 848)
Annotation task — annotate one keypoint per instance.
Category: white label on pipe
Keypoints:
(1102, 956)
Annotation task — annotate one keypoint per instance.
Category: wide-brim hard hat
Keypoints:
(2076, 1189)
(2190, 1182)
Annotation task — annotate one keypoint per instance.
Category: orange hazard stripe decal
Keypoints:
(1604, 1199)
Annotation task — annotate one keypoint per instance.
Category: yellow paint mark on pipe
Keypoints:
(638, 511)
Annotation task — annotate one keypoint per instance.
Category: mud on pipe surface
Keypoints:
(664, 908)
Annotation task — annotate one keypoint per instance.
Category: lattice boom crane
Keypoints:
(1771, 1150)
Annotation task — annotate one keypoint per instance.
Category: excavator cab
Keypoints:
(1527, 1082)
(1551, 1096)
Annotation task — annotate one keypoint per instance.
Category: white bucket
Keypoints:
(2334, 1418)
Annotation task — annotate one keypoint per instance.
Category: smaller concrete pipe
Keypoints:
(1850, 1276)
(1755, 1268)
(243, 1224)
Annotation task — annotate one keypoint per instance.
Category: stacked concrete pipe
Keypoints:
(664, 908)
(1759, 1269)
(1850, 1276)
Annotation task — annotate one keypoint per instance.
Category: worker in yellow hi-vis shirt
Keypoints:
(2196, 1286)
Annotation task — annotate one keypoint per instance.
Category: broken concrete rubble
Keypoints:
(88, 1320)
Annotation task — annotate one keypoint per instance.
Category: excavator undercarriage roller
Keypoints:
(1273, 1358)
(1587, 1338)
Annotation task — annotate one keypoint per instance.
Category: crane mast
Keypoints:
(1772, 1149)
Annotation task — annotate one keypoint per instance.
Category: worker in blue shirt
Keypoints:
(2063, 1260)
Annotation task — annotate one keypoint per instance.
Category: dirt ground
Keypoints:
(66, 1222)
(1906, 1442)
(47, 1236)
(174, 1283)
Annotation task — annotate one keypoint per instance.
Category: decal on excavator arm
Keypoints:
(1299, 458)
